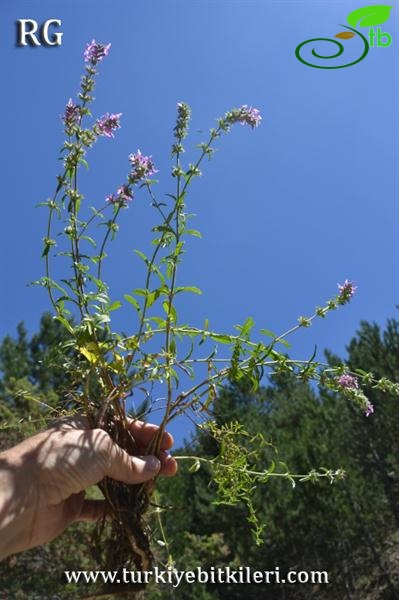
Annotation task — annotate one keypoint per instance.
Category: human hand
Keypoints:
(43, 479)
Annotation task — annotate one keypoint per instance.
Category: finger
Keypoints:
(92, 510)
(168, 464)
(130, 469)
(71, 422)
(144, 433)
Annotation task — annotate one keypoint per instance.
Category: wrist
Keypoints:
(14, 504)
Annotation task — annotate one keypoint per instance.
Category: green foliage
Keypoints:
(120, 364)
(342, 528)
(33, 381)
(233, 473)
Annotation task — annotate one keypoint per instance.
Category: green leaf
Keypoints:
(193, 232)
(246, 328)
(91, 352)
(284, 343)
(153, 267)
(89, 239)
(132, 301)
(142, 256)
(115, 305)
(97, 213)
(171, 312)
(47, 245)
(84, 162)
(268, 333)
(65, 323)
(103, 319)
(195, 466)
(174, 198)
(152, 297)
(160, 322)
(178, 249)
(169, 270)
(165, 228)
(368, 16)
(53, 284)
(361, 372)
(223, 339)
(274, 336)
(140, 292)
(192, 289)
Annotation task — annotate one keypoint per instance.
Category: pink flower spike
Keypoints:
(346, 291)
(125, 193)
(95, 53)
(142, 167)
(71, 113)
(348, 381)
(246, 115)
(108, 123)
(250, 116)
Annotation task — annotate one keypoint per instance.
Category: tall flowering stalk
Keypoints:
(108, 368)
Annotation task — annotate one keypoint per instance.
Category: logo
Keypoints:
(369, 16)
(30, 33)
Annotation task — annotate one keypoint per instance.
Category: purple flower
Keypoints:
(246, 115)
(143, 166)
(250, 116)
(123, 195)
(346, 291)
(94, 52)
(348, 381)
(369, 410)
(71, 114)
(108, 123)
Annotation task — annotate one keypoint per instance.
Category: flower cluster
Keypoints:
(108, 123)
(348, 381)
(95, 52)
(71, 115)
(246, 115)
(142, 167)
(123, 195)
(346, 291)
(183, 118)
(350, 385)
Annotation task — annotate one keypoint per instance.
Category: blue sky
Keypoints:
(286, 211)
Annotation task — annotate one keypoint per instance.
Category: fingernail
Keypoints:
(152, 463)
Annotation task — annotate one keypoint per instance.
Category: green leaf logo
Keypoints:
(369, 15)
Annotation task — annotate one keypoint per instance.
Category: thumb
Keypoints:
(131, 469)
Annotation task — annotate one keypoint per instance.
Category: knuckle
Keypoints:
(103, 441)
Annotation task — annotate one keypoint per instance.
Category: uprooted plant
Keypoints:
(108, 368)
